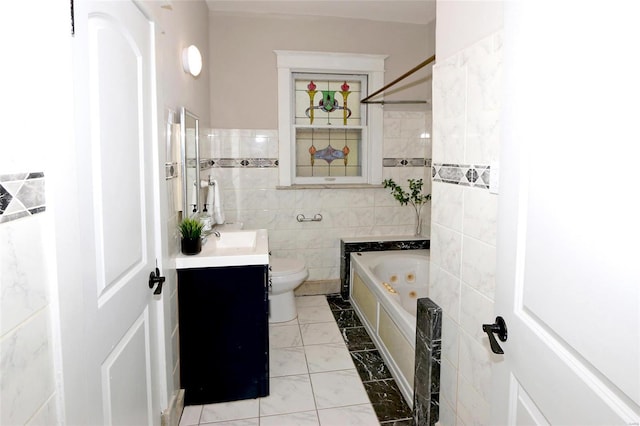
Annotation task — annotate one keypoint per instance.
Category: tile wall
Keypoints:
(27, 387)
(466, 139)
(245, 165)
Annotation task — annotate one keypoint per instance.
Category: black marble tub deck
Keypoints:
(383, 392)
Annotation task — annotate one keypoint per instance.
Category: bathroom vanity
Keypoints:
(223, 319)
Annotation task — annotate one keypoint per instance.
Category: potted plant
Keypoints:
(415, 197)
(191, 231)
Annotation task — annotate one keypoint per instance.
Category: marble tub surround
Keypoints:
(426, 388)
(356, 245)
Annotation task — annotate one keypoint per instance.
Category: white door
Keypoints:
(568, 278)
(115, 117)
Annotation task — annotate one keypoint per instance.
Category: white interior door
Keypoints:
(114, 46)
(568, 279)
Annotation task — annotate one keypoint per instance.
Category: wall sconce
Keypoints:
(192, 60)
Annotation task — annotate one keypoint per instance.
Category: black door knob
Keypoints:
(500, 328)
(155, 278)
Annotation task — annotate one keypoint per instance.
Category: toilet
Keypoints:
(285, 276)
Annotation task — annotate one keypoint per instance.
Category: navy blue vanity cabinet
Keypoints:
(224, 335)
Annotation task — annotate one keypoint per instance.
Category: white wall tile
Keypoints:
(446, 249)
(479, 266)
(444, 289)
(472, 409)
(448, 383)
(480, 214)
(447, 205)
(466, 130)
(23, 287)
(27, 369)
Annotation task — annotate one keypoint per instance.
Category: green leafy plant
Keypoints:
(190, 228)
(414, 196)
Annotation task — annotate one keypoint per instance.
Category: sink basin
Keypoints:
(233, 248)
(235, 239)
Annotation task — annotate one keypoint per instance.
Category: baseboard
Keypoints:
(171, 416)
(311, 288)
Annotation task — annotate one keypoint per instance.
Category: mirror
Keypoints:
(189, 145)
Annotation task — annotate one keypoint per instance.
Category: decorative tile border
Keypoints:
(460, 174)
(171, 170)
(247, 163)
(21, 195)
(346, 248)
(406, 162)
(426, 386)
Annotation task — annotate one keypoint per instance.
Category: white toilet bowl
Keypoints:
(286, 275)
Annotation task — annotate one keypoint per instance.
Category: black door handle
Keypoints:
(155, 278)
(500, 328)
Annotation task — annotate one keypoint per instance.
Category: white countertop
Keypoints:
(215, 256)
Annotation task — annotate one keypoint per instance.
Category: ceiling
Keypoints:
(412, 12)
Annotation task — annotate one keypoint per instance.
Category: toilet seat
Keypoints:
(281, 267)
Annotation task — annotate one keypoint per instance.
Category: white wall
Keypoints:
(460, 24)
(466, 131)
(244, 75)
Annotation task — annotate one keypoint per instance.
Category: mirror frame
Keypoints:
(187, 210)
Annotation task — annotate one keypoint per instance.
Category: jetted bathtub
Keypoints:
(385, 287)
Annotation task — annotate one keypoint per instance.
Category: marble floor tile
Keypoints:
(322, 332)
(285, 336)
(404, 422)
(303, 301)
(387, 400)
(328, 357)
(288, 394)
(337, 303)
(347, 318)
(287, 361)
(236, 410)
(310, 314)
(370, 365)
(357, 339)
(352, 416)
(338, 389)
(306, 418)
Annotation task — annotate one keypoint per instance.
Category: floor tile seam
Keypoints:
(339, 369)
(292, 412)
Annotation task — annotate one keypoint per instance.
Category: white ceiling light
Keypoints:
(192, 60)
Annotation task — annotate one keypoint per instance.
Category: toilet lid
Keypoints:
(282, 266)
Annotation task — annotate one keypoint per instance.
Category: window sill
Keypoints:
(330, 186)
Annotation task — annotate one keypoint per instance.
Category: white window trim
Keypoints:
(289, 62)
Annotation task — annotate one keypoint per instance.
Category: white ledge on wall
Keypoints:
(332, 186)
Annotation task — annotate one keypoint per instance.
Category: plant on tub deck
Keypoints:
(415, 197)
(191, 231)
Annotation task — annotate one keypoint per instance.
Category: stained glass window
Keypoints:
(328, 124)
